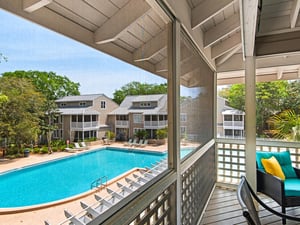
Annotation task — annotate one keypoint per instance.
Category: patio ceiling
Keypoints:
(225, 31)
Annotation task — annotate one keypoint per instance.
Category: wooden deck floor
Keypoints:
(224, 209)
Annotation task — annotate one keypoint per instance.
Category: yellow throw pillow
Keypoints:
(273, 167)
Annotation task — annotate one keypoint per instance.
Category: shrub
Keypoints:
(44, 150)
(141, 134)
(162, 133)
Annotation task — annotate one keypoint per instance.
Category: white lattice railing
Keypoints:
(231, 156)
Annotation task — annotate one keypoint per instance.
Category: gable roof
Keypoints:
(76, 98)
(126, 105)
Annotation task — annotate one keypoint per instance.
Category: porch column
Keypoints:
(173, 116)
(250, 119)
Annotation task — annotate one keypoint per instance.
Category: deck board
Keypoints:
(224, 209)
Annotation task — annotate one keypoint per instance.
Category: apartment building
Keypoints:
(83, 116)
(230, 121)
(141, 112)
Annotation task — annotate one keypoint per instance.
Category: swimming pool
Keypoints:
(70, 176)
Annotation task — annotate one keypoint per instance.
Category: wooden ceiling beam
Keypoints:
(206, 10)
(33, 5)
(294, 13)
(226, 45)
(227, 55)
(223, 29)
(153, 47)
(278, 44)
(248, 12)
(116, 25)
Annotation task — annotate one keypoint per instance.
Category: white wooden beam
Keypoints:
(226, 56)
(118, 24)
(294, 13)
(33, 5)
(279, 74)
(226, 45)
(248, 12)
(223, 29)
(206, 10)
(151, 48)
(162, 66)
(158, 9)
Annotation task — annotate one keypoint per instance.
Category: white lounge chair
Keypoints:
(71, 150)
(83, 145)
(139, 143)
(134, 142)
(78, 146)
(128, 143)
(145, 143)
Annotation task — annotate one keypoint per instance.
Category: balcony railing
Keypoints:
(122, 123)
(231, 156)
(78, 125)
(155, 124)
(233, 124)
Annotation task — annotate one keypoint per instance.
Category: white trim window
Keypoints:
(183, 117)
(137, 118)
(103, 104)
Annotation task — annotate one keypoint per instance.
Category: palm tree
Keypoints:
(286, 125)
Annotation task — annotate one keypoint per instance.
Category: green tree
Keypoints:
(292, 100)
(20, 114)
(137, 88)
(235, 96)
(52, 86)
(3, 98)
(286, 125)
(269, 100)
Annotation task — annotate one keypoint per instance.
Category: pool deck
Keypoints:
(53, 214)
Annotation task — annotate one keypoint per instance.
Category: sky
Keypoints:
(28, 46)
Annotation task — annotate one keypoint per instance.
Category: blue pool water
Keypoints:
(70, 176)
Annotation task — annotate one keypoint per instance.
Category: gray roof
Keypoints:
(125, 107)
(76, 98)
(233, 112)
(78, 111)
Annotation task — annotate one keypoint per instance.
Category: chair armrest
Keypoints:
(297, 170)
(270, 185)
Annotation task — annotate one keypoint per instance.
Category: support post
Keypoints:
(250, 117)
(173, 113)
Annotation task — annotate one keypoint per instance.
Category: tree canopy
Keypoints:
(40, 89)
(20, 114)
(271, 98)
(137, 88)
(53, 86)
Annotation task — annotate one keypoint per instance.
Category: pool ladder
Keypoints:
(102, 181)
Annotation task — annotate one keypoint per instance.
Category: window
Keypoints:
(137, 118)
(183, 117)
(228, 132)
(103, 105)
(145, 104)
(63, 104)
(196, 96)
(82, 103)
(227, 117)
(238, 118)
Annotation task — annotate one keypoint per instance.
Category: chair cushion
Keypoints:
(292, 187)
(273, 167)
(283, 158)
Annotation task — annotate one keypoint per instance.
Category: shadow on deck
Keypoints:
(224, 209)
